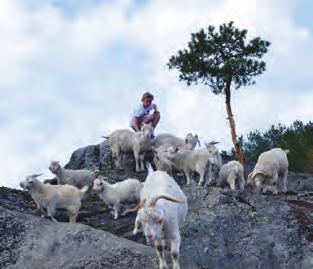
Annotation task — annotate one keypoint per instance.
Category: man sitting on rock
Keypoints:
(146, 112)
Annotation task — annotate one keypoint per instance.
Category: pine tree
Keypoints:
(221, 60)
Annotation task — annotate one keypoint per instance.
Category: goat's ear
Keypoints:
(188, 136)
(96, 173)
(197, 138)
(30, 179)
(97, 181)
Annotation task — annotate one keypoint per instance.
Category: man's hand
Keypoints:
(155, 108)
(136, 124)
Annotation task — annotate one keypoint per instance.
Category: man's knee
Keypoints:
(148, 118)
(157, 115)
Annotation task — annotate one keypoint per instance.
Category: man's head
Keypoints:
(147, 99)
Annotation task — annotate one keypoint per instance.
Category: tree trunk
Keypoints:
(232, 124)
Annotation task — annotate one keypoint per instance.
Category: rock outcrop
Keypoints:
(223, 229)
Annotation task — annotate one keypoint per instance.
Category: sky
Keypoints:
(72, 71)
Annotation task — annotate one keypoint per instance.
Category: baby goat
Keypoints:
(114, 194)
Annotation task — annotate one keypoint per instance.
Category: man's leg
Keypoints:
(153, 118)
(156, 119)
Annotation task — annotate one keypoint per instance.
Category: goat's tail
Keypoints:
(287, 151)
(83, 191)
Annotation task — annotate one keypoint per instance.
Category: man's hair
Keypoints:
(147, 95)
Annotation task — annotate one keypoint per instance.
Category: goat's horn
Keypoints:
(155, 199)
(137, 207)
(36, 175)
(262, 173)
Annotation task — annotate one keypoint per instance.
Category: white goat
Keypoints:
(231, 174)
(50, 197)
(217, 159)
(160, 160)
(114, 194)
(271, 170)
(197, 160)
(189, 142)
(161, 212)
(78, 178)
(126, 141)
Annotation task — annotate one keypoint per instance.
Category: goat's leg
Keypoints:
(51, 212)
(241, 183)
(175, 244)
(274, 183)
(136, 155)
(201, 180)
(41, 211)
(72, 217)
(284, 182)
(187, 174)
(116, 155)
(142, 157)
(231, 181)
(116, 208)
(72, 212)
(136, 226)
(208, 174)
(160, 252)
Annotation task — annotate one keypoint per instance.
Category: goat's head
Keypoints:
(211, 147)
(99, 184)
(160, 157)
(146, 130)
(191, 141)
(30, 182)
(54, 167)
(256, 180)
(151, 217)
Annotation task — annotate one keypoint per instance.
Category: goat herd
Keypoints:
(162, 204)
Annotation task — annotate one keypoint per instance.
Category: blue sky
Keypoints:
(71, 71)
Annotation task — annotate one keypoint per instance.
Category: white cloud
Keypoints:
(63, 83)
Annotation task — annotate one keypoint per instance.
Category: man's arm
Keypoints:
(136, 124)
(155, 108)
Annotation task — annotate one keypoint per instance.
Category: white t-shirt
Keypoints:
(140, 112)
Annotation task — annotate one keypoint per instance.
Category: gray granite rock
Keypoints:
(223, 229)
